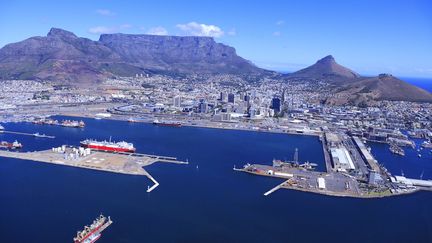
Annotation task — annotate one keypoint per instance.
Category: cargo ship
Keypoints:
(46, 121)
(108, 145)
(93, 232)
(167, 124)
(68, 123)
(8, 145)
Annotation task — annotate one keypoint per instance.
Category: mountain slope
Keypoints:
(61, 55)
(384, 87)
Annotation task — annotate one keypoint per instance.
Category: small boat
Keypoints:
(426, 144)
(132, 120)
(38, 135)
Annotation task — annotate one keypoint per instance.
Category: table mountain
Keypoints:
(61, 55)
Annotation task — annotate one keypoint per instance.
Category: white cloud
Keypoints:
(277, 33)
(196, 29)
(105, 12)
(158, 30)
(108, 30)
(280, 22)
(232, 32)
(125, 26)
(101, 30)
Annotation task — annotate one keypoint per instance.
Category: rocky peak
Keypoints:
(326, 68)
(384, 75)
(60, 33)
(327, 60)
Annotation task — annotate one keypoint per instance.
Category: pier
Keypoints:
(275, 188)
(123, 163)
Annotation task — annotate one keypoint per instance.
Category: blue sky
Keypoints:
(369, 36)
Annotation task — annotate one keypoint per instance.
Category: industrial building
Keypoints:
(341, 158)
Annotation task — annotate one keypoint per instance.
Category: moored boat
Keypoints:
(167, 124)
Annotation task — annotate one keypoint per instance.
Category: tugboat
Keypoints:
(38, 135)
(93, 232)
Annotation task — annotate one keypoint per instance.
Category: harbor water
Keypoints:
(205, 201)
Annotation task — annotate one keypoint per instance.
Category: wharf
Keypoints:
(123, 163)
(336, 184)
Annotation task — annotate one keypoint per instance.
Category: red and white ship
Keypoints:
(108, 145)
(93, 232)
(8, 145)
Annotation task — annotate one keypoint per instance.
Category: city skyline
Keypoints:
(368, 37)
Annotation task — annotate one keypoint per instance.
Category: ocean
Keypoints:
(423, 83)
(210, 203)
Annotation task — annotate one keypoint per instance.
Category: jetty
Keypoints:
(122, 163)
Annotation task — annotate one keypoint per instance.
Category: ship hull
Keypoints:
(167, 124)
(106, 148)
(94, 239)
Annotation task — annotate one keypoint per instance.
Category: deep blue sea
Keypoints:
(212, 203)
(423, 83)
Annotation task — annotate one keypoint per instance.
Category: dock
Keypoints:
(353, 173)
(373, 164)
(123, 163)
(275, 188)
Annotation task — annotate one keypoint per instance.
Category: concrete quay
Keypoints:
(123, 163)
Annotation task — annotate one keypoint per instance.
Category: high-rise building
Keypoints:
(231, 98)
(246, 98)
(252, 112)
(177, 101)
(202, 107)
(223, 96)
(276, 104)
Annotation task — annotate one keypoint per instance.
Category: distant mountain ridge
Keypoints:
(348, 87)
(61, 55)
(64, 57)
